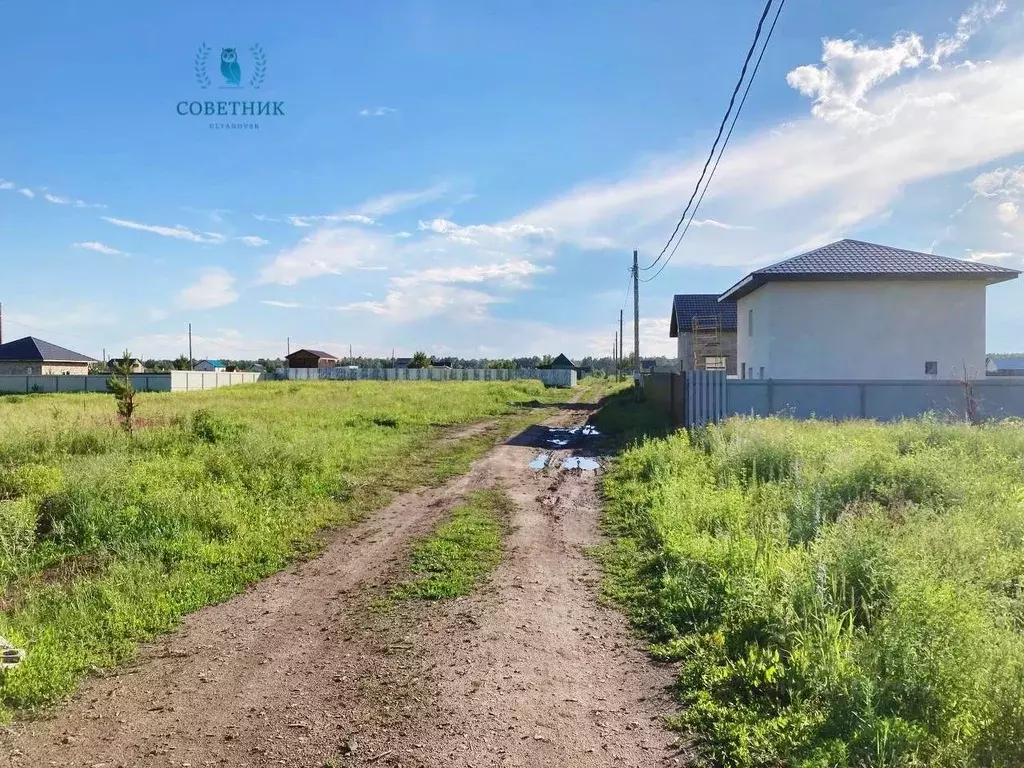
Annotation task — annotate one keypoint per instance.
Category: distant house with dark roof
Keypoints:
(401, 362)
(209, 365)
(856, 310)
(564, 362)
(311, 358)
(34, 357)
(1004, 365)
(706, 331)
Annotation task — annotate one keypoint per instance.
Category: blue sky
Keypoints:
(471, 178)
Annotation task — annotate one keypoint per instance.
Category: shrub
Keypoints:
(837, 595)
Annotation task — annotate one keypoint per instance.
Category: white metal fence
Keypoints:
(174, 381)
(552, 377)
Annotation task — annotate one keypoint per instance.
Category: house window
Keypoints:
(743, 370)
(931, 368)
(750, 322)
(714, 363)
(760, 372)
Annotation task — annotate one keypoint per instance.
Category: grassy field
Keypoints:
(835, 595)
(452, 560)
(107, 540)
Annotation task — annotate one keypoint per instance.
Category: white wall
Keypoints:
(867, 329)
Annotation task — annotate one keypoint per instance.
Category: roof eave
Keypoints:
(755, 280)
(742, 288)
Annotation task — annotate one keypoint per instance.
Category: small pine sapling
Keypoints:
(120, 384)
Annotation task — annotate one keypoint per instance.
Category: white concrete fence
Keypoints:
(175, 381)
(695, 398)
(552, 377)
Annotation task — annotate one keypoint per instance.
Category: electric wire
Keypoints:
(725, 143)
(721, 129)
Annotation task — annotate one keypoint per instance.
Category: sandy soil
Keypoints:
(313, 668)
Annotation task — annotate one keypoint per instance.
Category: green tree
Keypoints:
(420, 360)
(182, 363)
(120, 384)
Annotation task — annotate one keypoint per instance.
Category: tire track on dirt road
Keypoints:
(302, 670)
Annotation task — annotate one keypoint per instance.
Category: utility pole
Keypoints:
(621, 339)
(289, 345)
(636, 322)
(191, 364)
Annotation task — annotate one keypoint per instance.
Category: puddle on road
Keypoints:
(580, 462)
(562, 437)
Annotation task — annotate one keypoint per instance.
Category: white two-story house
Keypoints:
(855, 310)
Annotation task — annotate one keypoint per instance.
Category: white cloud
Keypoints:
(27, 192)
(717, 224)
(4, 184)
(179, 232)
(403, 234)
(377, 111)
(849, 70)
(219, 344)
(809, 181)
(511, 273)
(999, 258)
(327, 252)
(156, 314)
(92, 245)
(1008, 212)
(1009, 181)
(427, 300)
(53, 318)
(285, 304)
(254, 241)
(968, 25)
(215, 288)
(61, 200)
(347, 218)
(397, 201)
(471, 235)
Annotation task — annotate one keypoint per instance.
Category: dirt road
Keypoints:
(311, 668)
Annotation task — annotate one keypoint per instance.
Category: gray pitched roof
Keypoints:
(686, 306)
(563, 361)
(31, 348)
(857, 260)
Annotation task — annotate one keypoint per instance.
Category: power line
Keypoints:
(732, 126)
(721, 127)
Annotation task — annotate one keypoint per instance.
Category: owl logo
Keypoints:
(229, 67)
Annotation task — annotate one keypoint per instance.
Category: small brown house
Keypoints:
(311, 358)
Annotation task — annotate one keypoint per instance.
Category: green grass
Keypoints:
(106, 541)
(453, 560)
(835, 595)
